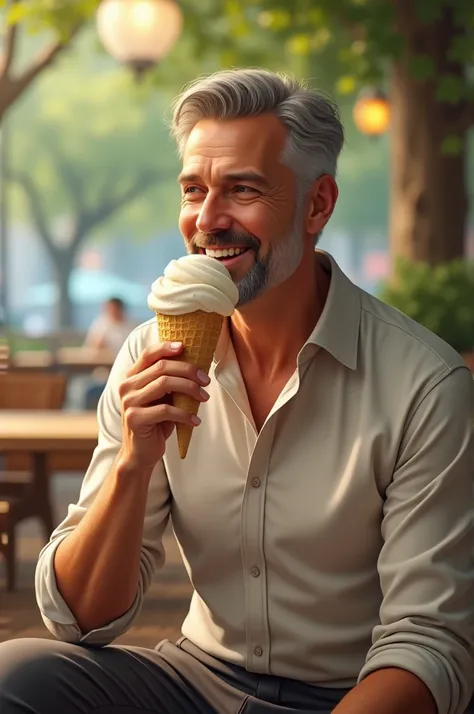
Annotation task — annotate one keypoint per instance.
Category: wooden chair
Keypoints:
(24, 493)
(7, 538)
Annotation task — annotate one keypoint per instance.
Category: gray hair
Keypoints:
(315, 131)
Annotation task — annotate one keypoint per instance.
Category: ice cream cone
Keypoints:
(199, 332)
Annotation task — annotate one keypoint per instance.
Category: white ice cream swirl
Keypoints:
(194, 282)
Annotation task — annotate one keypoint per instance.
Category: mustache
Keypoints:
(225, 238)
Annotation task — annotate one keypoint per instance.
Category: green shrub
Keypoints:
(440, 298)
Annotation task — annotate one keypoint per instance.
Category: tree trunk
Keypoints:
(428, 201)
(63, 262)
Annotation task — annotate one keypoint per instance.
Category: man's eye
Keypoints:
(244, 189)
(191, 189)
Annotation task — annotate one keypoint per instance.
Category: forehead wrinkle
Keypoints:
(217, 148)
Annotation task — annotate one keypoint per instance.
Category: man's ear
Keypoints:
(322, 200)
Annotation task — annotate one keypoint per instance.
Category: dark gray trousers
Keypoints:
(45, 677)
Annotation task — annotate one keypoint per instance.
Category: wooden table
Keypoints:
(47, 431)
(73, 360)
(42, 434)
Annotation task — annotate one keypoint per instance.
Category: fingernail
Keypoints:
(195, 420)
(204, 394)
(202, 376)
(175, 345)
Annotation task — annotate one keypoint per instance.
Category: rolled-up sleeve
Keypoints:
(56, 615)
(426, 564)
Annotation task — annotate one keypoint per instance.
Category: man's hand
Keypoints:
(148, 416)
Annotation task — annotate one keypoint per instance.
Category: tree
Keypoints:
(424, 51)
(90, 155)
(13, 81)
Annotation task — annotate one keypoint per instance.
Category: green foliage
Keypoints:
(451, 89)
(440, 298)
(90, 134)
(452, 145)
(429, 10)
(423, 67)
(350, 41)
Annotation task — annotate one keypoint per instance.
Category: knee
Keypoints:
(26, 665)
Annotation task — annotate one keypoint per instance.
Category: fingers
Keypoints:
(137, 418)
(170, 368)
(156, 362)
(153, 353)
(162, 386)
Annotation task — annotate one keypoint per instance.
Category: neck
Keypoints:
(270, 331)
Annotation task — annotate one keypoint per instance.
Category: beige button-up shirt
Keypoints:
(339, 539)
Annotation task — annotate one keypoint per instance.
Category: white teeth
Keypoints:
(228, 253)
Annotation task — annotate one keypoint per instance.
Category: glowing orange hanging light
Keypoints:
(372, 112)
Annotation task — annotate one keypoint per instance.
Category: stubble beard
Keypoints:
(276, 267)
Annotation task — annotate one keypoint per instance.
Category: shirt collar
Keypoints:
(337, 330)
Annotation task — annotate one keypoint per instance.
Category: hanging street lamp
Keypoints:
(372, 112)
(139, 33)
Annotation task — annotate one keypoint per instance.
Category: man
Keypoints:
(325, 506)
(111, 328)
(108, 332)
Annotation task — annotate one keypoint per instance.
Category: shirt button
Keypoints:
(256, 483)
(258, 652)
(255, 571)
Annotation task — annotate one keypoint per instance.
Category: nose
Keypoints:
(212, 216)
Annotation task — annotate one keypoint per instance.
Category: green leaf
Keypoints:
(276, 20)
(452, 145)
(16, 13)
(346, 84)
(392, 45)
(451, 89)
(429, 11)
(299, 44)
(320, 39)
(422, 67)
(462, 49)
(463, 11)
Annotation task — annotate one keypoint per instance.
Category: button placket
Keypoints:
(253, 557)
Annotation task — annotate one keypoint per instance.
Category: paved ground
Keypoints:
(165, 605)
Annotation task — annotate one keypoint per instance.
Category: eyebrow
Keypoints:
(252, 176)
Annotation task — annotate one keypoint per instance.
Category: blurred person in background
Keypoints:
(111, 328)
(108, 332)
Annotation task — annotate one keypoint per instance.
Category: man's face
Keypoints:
(237, 196)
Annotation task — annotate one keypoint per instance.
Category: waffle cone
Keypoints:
(199, 332)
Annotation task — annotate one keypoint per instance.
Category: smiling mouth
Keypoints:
(224, 253)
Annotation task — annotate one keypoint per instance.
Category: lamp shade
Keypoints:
(372, 113)
(139, 33)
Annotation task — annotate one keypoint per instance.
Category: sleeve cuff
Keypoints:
(57, 616)
(451, 695)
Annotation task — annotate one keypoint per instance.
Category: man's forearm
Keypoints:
(97, 566)
(388, 691)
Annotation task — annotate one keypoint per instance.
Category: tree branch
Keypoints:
(105, 209)
(11, 38)
(37, 212)
(11, 88)
(44, 59)
(69, 178)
